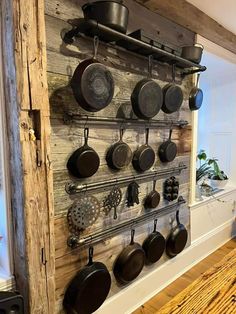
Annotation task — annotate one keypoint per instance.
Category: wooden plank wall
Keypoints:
(127, 70)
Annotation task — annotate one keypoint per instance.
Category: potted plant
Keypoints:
(202, 174)
(218, 178)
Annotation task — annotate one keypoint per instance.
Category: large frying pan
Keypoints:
(84, 162)
(172, 96)
(167, 150)
(147, 96)
(144, 156)
(92, 83)
(129, 262)
(88, 289)
(195, 97)
(119, 154)
(177, 239)
(154, 245)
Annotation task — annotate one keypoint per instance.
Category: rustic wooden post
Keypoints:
(23, 33)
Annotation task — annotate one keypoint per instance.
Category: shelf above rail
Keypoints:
(91, 28)
(75, 241)
(74, 188)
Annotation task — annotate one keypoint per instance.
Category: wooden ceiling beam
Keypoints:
(189, 16)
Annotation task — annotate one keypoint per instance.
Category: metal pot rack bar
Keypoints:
(74, 241)
(74, 188)
(119, 40)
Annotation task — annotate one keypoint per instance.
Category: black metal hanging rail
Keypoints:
(75, 241)
(91, 28)
(94, 120)
(74, 188)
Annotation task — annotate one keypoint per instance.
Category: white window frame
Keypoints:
(221, 52)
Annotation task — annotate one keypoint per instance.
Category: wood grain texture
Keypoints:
(28, 111)
(189, 16)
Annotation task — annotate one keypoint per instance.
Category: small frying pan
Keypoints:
(147, 96)
(129, 262)
(84, 162)
(167, 150)
(119, 154)
(88, 289)
(195, 97)
(177, 239)
(154, 245)
(172, 96)
(92, 83)
(153, 198)
(144, 156)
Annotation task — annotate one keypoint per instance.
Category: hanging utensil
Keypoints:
(177, 238)
(112, 201)
(154, 245)
(171, 189)
(119, 154)
(83, 213)
(92, 83)
(167, 150)
(153, 198)
(84, 162)
(147, 96)
(172, 96)
(195, 96)
(144, 156)
(132, 194)
(129, 262)
(88, 289)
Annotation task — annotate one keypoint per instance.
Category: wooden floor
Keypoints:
(166, 295)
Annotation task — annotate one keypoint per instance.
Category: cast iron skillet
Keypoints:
(154, 245)
(84, 162)
(92, 83)
(172, 96)
(195, 97)
(147, 96)
(167, 150)
(177, 239)
(129, 262)
(119, 154)
(88, 289)
(144, 156)
(153, 198)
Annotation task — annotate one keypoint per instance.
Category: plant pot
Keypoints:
(218, 184)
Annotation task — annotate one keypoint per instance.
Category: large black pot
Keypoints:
(109, 13)
(192, 53)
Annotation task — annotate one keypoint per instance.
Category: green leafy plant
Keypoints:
(216, 173)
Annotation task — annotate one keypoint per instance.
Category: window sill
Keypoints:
(208, 199)
(6, 282)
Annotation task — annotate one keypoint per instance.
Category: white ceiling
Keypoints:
(223, 11)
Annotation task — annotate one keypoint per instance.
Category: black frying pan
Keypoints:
(119, 154)
(129, 262)
(172, 96)
(144, 156)
(92, 83)
(88, 289)
(153, 198)
(154, 245)
(167, 150)
(147, 96)
(84, 162)
(195, 97)
(177, 239)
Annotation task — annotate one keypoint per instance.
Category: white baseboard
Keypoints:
(136, 294)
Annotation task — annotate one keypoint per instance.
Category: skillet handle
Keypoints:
(132, 236)
(177, 217)
(154, 184)
(150, 63)
(90, 262)
(155, 225)
(173, 72)
(170, 134)
(147, 135)
(86, 135)
(95, 46)
(121, 133)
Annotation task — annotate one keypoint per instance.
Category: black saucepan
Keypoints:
(147, 96)
(177, 239)
(167, 150)
(92, 83)
(172, 96)
(154, 245)
(84, 162)
(113, 14)
(153, 198)
(88, 289)
(119, 154)
(129, 262)
(144, 156)
(195, 97)
(193, 53)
